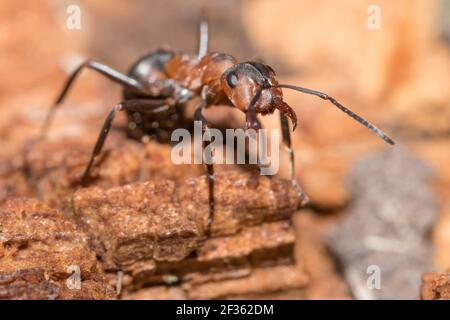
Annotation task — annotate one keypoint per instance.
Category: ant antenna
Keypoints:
(350, 113)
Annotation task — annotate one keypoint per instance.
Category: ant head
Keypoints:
(253, 85)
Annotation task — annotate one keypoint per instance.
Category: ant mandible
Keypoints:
(161, 83)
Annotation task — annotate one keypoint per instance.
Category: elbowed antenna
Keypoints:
(350, 113)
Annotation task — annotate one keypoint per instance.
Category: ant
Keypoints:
(160, 84)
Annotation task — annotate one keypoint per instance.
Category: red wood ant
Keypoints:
(160, 84)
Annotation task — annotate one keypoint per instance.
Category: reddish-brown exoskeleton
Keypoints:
(160, 84)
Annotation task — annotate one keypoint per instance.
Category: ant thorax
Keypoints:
(194, 73)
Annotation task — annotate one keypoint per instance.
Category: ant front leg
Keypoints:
(251, 119)
(252, 122)
(286, 137)
(198, 116)
(136, 105)
(108, 72)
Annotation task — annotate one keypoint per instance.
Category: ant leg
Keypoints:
(255, 124)
(138, 105)
(203, 35)
(209, 166)
(108, 72)
(286, 136)
(251, 119)
(252, 122)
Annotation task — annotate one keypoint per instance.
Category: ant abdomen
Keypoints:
(150, 71)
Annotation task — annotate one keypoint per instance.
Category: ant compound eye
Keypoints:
(232, 79)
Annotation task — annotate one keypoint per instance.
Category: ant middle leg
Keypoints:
(136, 105)
(106, 71)
(286, 137)
(198, 116)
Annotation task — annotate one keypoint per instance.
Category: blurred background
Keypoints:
(371, 204)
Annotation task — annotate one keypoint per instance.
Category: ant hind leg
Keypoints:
(137, 105)
(203, 39)
(106, 71)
